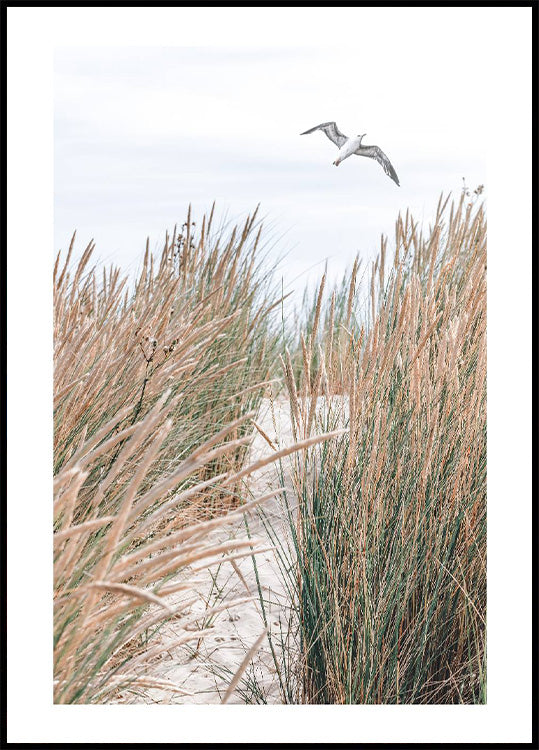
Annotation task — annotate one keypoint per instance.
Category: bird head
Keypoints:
(361, 137)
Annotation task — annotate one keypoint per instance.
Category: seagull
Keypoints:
(349, 146)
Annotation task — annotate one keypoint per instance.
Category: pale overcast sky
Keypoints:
(140, 132)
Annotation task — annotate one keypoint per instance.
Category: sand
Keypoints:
(203, 672)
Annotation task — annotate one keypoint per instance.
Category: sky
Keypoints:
(141, 132)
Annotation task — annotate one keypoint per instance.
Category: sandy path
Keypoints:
(207, 672)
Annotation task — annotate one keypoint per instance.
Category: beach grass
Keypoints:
(157, 388)
(387, 566)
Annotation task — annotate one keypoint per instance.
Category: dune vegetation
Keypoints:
(157, 388)
(389, 541)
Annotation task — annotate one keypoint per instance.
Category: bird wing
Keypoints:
(375, 152)
(332, 132)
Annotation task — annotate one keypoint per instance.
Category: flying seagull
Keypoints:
(349, 146)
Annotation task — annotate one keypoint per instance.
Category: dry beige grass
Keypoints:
(154, 396)
(391, 541)
(196, 323)
(154, 393)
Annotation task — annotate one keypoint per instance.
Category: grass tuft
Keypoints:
(387, 569)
